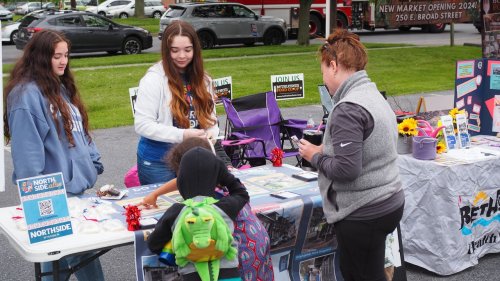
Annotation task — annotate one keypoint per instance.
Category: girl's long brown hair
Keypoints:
(36, 65)
(202, 99)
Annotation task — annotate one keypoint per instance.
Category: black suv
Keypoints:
(87, 32)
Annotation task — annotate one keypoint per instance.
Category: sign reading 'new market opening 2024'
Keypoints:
(45, 207)
(394, 13)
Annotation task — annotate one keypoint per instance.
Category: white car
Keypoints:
(151, 9)
(103, 7)
(6, 14)
(9, 31)
(27, 8)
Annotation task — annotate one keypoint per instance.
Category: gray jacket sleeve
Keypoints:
(349, 125)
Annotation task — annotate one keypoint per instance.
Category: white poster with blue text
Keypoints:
(45, 207)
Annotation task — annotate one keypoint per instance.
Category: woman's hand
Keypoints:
(307, 149)
(194, 133)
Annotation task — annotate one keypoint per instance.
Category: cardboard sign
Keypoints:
(223, 88)
(45, 207)
(288, 86)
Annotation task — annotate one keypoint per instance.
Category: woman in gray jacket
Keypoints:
(358, 174)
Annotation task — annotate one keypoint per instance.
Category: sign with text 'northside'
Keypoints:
(288, 86)
(45, 207)
(419, 12)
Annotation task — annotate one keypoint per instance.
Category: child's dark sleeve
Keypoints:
(238, 195)
(163, 229)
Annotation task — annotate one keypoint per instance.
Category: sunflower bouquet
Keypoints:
(408, 127)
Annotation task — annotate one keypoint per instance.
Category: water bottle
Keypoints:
(310, 122)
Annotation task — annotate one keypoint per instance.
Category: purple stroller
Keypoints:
(254, 127)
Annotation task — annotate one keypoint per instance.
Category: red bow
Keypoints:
(133, 214)
(277, 157)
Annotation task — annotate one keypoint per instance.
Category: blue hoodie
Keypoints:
(38, 149)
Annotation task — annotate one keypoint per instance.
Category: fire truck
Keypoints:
(351, 14)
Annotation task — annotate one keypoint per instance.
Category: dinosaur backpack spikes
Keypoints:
(202, 236)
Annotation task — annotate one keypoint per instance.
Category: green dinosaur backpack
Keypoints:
(202, 236)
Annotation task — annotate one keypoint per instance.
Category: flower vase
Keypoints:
(404, 145)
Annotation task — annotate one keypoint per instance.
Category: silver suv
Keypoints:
(226, 23)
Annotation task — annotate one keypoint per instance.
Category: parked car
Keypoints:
(151, 9)
(104, 6)
(9, 31)
(13, 5)
(87, 32)
(5, 14)
(49, 5)
(28, 7)
(226, 23)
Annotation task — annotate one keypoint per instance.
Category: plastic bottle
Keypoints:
(310, 122)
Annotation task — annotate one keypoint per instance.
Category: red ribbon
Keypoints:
(277, 157)
(133, 214)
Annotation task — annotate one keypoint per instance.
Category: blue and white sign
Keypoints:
(45, 207)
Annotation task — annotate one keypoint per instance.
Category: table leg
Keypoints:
(55, 270)
(38, 272)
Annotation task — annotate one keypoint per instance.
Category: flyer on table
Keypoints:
(45, 207)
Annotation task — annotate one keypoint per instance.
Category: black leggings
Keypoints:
(362, 246)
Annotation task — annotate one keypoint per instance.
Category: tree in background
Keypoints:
(304, 18)
(139, 8)
(333, 17)
(303, 36)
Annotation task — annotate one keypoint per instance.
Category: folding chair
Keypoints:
(254, 127)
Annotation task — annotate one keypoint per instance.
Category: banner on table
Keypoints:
(45, 207)
(303, 245)
(479, 219)
(288, 86)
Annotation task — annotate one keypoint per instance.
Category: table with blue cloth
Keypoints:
(303, 244)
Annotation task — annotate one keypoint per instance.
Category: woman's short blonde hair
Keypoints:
(344, 48)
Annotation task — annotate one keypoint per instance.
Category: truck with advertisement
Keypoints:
(430, 15)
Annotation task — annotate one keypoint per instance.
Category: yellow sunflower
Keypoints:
(408, 127)
(440, 147)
